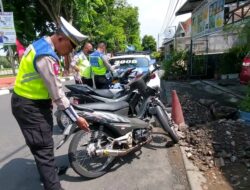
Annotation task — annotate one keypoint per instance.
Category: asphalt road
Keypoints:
(154, 167)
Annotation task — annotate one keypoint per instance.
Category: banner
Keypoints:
(208, 18)
(7, 28)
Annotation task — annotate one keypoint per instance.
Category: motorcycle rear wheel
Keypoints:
(83, 164)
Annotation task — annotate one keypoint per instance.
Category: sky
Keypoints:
(152, 14)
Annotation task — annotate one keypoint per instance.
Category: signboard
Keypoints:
(7, 28)
(208, 18)
(216, 14)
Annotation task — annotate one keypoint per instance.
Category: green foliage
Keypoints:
(112, 21)
(157, 55)
(176, 66)
(4, 62)
(231, 61)
(30, 18)
(245, 103)
(148, 43)
(243, 31)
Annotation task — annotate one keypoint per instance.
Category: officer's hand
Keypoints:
(82, 123)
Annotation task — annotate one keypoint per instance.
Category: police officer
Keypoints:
(36, 86)
(100, 65)
(81, 65)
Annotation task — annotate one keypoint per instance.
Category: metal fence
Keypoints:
(204, 66)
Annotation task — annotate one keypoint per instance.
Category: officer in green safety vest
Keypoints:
(100, 66)
(81, 65)
(36, 86)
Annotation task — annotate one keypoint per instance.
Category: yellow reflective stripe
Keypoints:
(30, 74)
(30, 79)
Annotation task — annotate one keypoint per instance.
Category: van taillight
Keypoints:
(246, 62)
(152, 76)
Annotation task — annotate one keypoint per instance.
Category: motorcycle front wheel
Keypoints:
(89, 166)
(164, 121)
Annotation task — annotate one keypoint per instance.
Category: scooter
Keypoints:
(125, 102)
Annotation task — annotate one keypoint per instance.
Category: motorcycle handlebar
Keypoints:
(146, 76)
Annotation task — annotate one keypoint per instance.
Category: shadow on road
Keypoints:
(119, 162)
(20, 174)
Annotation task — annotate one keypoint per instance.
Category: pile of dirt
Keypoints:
(217, 145)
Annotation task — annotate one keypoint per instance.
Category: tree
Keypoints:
(112, 21)
(58, 8)
(148, 43)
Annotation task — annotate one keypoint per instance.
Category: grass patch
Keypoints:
(4, 76)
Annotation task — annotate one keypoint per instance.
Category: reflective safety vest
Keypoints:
(84, 66)
(97, 65)
(29, 83)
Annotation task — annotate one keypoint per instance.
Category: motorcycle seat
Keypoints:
(106, 93)
(111, 107)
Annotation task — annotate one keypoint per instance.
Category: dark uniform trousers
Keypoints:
(102, 82)
(35, 120)
(85, 81)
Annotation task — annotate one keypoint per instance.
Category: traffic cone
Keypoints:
(177, 114)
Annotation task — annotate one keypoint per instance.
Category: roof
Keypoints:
(167, 40)
(190, 5)
(186, 25)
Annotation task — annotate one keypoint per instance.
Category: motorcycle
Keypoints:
(91, 154)
(104, 99)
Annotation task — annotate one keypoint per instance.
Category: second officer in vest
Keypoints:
(81, 65)
(100, 66)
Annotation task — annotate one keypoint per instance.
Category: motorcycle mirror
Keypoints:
(156, 65)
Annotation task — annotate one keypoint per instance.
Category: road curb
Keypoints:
(4, 91)
(195, 177)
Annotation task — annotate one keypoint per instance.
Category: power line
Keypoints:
(170, 13)
(174, 18)
(173, 13)
(166, 17)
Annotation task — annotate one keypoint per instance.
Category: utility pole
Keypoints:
(158, 41)
(175, 41)
(175, 37)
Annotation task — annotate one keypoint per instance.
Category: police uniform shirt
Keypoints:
(106, 62)
(45, 67)
(77, 57)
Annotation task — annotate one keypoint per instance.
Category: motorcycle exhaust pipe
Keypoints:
(116, 153)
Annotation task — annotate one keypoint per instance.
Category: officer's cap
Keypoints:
(73, 34)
